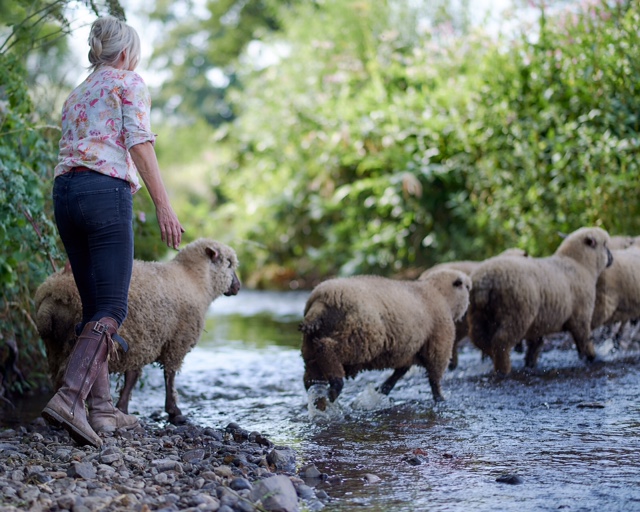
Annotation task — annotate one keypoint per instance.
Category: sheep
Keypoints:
(525, 298)
(618, 289)
(361, 323)
(622, 242)
(466, 266)
(167, 307)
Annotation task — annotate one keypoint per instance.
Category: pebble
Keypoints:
(153, 467)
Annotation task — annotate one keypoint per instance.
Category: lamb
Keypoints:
(167, 307)
(466, 266)
(618, 289)
(525, 298)
(369, 322)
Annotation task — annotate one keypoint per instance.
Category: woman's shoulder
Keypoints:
(124, 76)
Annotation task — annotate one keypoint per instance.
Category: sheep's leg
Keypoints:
(534, 348)
(130, 379)
(390, 383)
(582, 338)
(171, 398)
(453, 362)
(436, 367)
(321, 360)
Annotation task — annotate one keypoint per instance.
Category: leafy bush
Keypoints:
(27, 235)
(371, 146)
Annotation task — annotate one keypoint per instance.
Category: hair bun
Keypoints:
(96, 46)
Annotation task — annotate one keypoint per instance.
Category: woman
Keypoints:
(106, 140)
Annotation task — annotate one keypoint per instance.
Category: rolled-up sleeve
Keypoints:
(136, 113)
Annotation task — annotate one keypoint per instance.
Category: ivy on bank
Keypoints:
(27, 235)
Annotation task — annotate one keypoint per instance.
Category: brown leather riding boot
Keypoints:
(103, 416)
(88, 357)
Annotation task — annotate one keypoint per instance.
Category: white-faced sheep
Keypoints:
(369, 322)
(466, 266)
(167, 307)
(621, 242)
(525, 298)
(618, 289)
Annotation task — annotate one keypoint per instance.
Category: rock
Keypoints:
(193, 455)
(282, 459)
(81, 470)
(276, 494)
(509, 479)
(371, 479)
(152, 468)
(310, 471)
(238, 484)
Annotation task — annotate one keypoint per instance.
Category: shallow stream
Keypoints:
(566, 436)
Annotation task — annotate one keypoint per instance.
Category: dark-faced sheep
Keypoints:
(373, 323)
(525, 298)
(466, 266)
(167, 307)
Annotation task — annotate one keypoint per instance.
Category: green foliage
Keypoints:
(203, 51)
(340, 152)
(27, 235)
(374, 147)
(555, 140)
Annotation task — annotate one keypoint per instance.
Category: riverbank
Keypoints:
(152, 467)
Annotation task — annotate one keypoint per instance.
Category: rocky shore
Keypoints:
(153, 467)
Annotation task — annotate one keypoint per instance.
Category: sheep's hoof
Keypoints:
(320, 404)
(438, 398)
(178, 419)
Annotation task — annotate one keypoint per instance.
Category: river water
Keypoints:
(568, 432)
(566, 435)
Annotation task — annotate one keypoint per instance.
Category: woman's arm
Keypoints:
(144, 156)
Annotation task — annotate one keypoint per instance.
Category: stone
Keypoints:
(276, 494)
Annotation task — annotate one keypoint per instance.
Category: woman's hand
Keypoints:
(144, 156)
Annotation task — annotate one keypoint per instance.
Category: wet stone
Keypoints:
(310, 471)
(510, 479)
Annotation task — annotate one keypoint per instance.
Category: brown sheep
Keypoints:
(525, 298)
(368, 322)
(167, 307)
(466, 266)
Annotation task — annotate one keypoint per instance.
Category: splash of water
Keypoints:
(371, 400)
(321, 409)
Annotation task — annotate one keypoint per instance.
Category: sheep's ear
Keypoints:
(590, 241)
(213, 254)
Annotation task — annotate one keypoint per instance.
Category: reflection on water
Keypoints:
(570, 431)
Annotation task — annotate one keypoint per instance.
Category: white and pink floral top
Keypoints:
(101, 119)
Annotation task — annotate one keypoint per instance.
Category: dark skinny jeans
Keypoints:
(94, 215)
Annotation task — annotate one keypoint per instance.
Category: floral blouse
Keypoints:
(101, 119)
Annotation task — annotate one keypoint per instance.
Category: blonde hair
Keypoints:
(108, 38)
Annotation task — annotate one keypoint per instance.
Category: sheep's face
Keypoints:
(224, 260)
(588, 246)
(454, 287)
